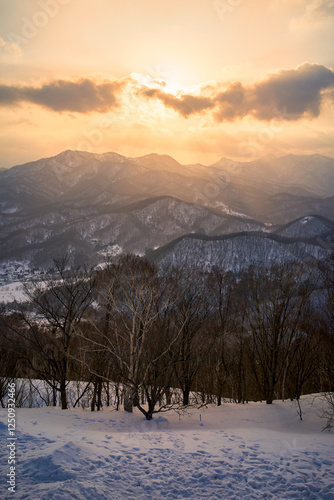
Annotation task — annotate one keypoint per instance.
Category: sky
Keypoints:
(196, 79)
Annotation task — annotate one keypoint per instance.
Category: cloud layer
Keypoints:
(289, 94)
(186, 104)
(82, 96)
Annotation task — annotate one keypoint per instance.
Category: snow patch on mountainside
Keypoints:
(227, 210)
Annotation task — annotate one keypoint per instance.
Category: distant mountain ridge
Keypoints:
(236, 252)
(90, 205)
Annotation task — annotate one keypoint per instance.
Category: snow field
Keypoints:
(11, 292)
(251, 451)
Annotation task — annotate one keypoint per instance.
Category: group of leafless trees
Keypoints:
(160, 336)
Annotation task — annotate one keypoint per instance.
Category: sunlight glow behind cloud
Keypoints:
(170, 77)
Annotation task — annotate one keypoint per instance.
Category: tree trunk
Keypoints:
(92, 406)
(128, 399)
(150, 412)
(270, 391)
(117, 397)
(168, 397)
(99, 394)
(63, 383)
(54, 396)
(186, 394)
(284, 379)
(107, 391)
(63, 398)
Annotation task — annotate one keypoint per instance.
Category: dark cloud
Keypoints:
(298, 91)
(9, 95)
(288, 94)
(233, 103)
(82, 96)
(186, 104)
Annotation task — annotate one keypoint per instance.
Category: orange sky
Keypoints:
(196, 79)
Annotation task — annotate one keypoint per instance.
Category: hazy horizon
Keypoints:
(148, 154)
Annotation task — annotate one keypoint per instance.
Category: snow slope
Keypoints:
(12, 291)
(234, 451)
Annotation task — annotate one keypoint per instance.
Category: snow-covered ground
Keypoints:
(11, 292)
(251, 451)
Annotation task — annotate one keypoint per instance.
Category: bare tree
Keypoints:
(305, 354)
(8, 361)
(327, 273)
(56, 307)
(277, 299)
(328, 412)
(192, 312)
(135, 300)
(220, 285)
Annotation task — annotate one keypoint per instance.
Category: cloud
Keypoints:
(186, 104)
(12, 48)
(288, 94)
(82, 96)
(299, 91)
(318, 10)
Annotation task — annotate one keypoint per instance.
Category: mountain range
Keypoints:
(230, 213)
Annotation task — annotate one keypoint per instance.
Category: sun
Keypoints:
(168, 86)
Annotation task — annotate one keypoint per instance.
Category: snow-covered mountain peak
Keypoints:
(114, 157)
(307, 227)
(155, 161)
(225, 163)
(67, 158)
